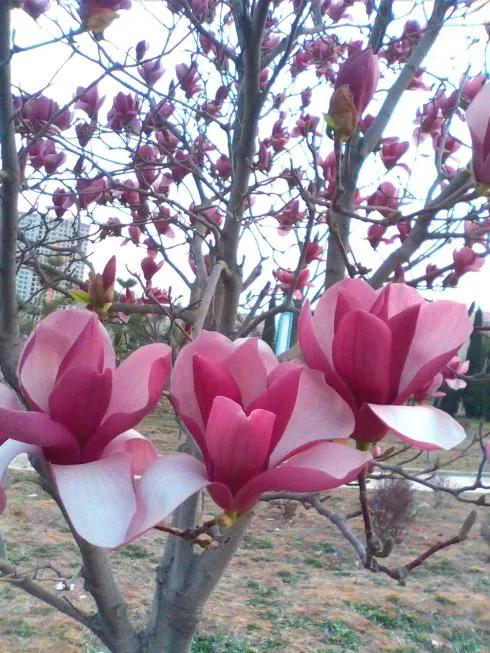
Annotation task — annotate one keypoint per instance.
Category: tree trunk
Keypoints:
(185, 580)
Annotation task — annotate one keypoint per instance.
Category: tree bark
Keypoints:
(185, 580)
(9, 189)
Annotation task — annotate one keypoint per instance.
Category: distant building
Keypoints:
(59, 233)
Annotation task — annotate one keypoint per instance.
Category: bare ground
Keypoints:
(293, 587)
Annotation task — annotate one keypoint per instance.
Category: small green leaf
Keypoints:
(80, 296)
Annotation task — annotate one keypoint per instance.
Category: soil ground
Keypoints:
(293, 587)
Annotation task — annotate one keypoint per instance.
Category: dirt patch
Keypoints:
(294, 586)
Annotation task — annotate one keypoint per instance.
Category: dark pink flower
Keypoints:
(260, 426)
(151, 71)
(92, 190)
(289, 217)
(305, 125)
(42, 113)
(431, 274)
(385, 199)
(466, 260)
(379, 348)
(223, 166)
(62, 200)
(89, 100)
(150, 267)
(189, 79)
(392, 150)
(285, 279)
(375, 234)
(124, 113)
(360, 72)
(81, 411)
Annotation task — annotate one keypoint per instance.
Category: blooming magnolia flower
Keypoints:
(89, 100)
(478, 119)
(189, 79)
(392, 150)
(151, 71)
(466, 260)
(80, 409)
(377, 349)
(62, 200)
(260, 426)
(384, 199)
(150, 267)
(124, 113)
(285, 279)
(96, 15)
(42, 113)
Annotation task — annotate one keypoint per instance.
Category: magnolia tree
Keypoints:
(249, 159)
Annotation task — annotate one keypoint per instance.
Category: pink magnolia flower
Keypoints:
(43, 153)
(43, 113)
(466, 260)
(89, 100)
(478, 120)
(301, 61)
(417, 83)
(92, 190)
(264, 162)
(392, 150)
(404, 228)
(430, 118)
(146, 165)
(36, 8)
(286, 281)
(150, 267)
(280, 136)
(305, 125)
(360, 72)
(151, 71)
(156, 296)
(377, 349)
(130, 192)
(375, 235)
(385, 199)
(223, 166)
(451, 373)
(124, 113)
(451, 145)
(260, 426)
(306, 94)
(189, 79)
(134, 233)
(313, 252)
(289, 217)
(181, 165)
(112, 227)
(62, 200)
(81, 410)
(162, 219)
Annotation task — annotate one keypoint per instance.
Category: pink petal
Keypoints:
(477, 113)
(8, 451)
(316, 357)
(321, 467)
(208, 344)
(211, 379)
(164, 486)
(46, 348)
(79, 400)
(136, 388)
(319, 413)
(424, 427)
(456, 384)
(140, 449)
(87, 349)
(250, 365)
(360, 295)
(99, 498)
(394, 298)
(362, 353)
(39, 429)
(237, 444)
(8, 398)
(441, 329)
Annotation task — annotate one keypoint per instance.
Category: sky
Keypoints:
(34, 69)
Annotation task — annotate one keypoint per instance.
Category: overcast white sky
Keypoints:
(449, 58)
